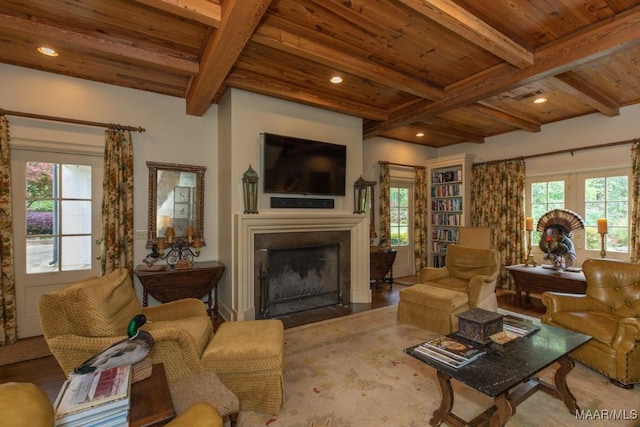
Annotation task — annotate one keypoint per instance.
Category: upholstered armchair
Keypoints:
(467, 281)
(26, 405)
(80, 320)
(609, 312)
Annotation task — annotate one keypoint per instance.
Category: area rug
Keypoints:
(351, 371)
(23, 350)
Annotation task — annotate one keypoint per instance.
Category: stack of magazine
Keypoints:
(512, 328)
(96, 399)
(448, 350)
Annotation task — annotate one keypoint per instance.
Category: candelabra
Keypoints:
(176, 252)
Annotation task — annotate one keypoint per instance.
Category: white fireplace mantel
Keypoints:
(248, 225)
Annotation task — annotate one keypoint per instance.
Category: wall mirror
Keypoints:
(176, 201)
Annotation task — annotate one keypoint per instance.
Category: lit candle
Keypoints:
(197, 244)
(529, 226)
(602, 225)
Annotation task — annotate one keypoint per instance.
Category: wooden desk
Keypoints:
(151, 403)
(172, 284)
(539, 280)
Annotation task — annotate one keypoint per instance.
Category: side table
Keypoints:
(381, 266)
(173, 284)
(151, 403)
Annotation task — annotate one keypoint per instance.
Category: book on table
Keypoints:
(450, 351)
(518, 326)
(99, 398)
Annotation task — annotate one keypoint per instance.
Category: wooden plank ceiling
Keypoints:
(452, 70)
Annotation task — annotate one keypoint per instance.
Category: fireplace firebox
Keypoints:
(300, 278)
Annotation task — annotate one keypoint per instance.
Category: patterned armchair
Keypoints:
(80, 320)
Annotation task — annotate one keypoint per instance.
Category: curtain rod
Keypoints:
(74, 121)
(572, 150)
(384, 162)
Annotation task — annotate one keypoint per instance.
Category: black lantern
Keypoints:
(360, 192)
(250, 191)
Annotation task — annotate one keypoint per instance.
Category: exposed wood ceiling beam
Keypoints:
(452, 132)
(295, 45)
(453, 17)
(102, 44)
(240, 80)
(586, 92)
(598, 41)
(203, 11)
(506, 118)
(239, 20)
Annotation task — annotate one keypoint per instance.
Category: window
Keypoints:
(607, 197)
(58, 217)
(399, 206)
(545, 196)
(592, 195)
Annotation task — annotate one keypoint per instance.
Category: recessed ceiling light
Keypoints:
(540, 100)
(420, 134)
(47, 51)
(336, 80)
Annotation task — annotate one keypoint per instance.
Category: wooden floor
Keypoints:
(46, 373)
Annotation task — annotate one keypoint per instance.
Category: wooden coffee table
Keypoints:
(506, 373)
(150, 400)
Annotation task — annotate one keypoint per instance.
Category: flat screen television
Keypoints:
(303, 166)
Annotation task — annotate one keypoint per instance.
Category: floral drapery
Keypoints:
(385, 211)
(420, 219)
(635, 208)
(497, 201)
(8, 326)
(117, 202)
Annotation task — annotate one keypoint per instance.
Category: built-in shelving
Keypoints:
(449, 203)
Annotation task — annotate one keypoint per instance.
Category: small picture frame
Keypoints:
(181, 210)
(181, 194)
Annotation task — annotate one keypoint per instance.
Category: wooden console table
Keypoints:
(172, 284)
(540, 279)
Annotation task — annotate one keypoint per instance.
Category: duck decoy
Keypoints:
(124, 352)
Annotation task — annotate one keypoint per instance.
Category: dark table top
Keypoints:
(505, 366)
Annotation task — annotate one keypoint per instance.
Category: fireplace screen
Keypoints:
(300, 278)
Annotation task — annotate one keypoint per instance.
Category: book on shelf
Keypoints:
(86, 399)
(450, 351)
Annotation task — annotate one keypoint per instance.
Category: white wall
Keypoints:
(171, 135)
(243, 117)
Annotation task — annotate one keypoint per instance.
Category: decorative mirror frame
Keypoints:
(154, 167)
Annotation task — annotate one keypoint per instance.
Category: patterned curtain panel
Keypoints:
(497, 201)
(420, 219)
(117, 203)
(635, 209)
(7, 277)
(385, 213)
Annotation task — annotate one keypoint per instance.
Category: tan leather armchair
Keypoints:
(467, 281)
(80, 320)
(26, 405)
(610, 313)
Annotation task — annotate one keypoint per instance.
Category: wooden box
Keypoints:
(478, 325)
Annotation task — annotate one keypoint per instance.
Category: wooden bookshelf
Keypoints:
(449, 203)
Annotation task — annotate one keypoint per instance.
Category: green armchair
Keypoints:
(610, 313)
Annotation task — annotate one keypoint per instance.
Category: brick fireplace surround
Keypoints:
(247, 227)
